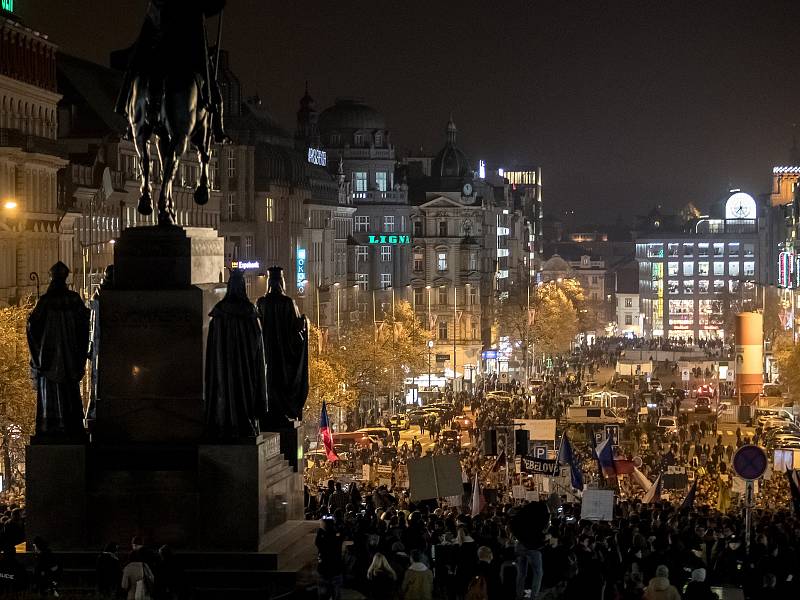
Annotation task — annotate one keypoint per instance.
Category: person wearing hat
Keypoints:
(58, 339)
(698, 588)
(660, 588)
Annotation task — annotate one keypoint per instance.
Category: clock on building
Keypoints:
(467, 189)
(740, 206)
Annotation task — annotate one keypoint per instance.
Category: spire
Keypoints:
(452, 130)
(307, 132)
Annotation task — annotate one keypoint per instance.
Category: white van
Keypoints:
(590, 414)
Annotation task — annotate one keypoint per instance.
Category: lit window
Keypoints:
(473, 260)
(628, 302)
(386, 253)
(702, 269)
(360, 181)
(231, 163)
(733, 286)
(702, 249)
(473, 295)
(386, 280)
(749, 269)
(719, 249)
(388, 223)
(248, 246)
(442, 330)
(702, 286)
(673, 286)
(419, 261)
(672, 249)
(688, 269)
(719, 268)
(655, 250)
(362, 223)
(688, 286)
(441, 261)
(362, 280)
(733, 268)
(362, 254)
(719, 286)
(381, 181)
(672, 269)
(269, 206)
(442, 295)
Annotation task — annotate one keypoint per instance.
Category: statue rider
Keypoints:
(173, 42)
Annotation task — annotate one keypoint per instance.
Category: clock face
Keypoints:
(467, 189)
(741, 210)
(740, 206)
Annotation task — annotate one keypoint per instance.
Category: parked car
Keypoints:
(400, 422)
(668, 426)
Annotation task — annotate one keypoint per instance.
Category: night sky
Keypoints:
(624, 104)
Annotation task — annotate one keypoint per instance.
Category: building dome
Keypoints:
(451, 162)
(556, 264)
(350, 114)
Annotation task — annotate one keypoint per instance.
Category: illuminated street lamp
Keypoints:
(10, 204)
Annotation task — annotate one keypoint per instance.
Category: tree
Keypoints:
(17, 393)
(555, 322)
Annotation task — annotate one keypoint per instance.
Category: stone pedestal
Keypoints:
(56, 494)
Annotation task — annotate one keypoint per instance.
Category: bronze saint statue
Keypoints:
(236, 386)
(286, 348)
(170, 90)
(58, 338)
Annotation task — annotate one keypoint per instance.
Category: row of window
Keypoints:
(421, 299)
(360, 138)
(703, 286)
(362, 224)
(705, 268)
(361, 183)
(703, 249)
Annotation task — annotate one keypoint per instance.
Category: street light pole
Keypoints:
(338, 287)
(455, 334)
(430, 350)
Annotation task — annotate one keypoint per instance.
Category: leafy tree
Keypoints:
(17, 393)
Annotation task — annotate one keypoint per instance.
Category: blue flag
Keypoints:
(566, 456)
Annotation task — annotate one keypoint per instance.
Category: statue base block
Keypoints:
(55, 498)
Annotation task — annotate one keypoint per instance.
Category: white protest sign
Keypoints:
(597, 505)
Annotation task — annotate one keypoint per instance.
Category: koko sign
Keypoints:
(390, 239)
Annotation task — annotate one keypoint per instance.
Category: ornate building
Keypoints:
(34, 228)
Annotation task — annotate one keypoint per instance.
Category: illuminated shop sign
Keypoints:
(390, 239)
(788, 270)
(301, 270)
(317, 157)
(7, 5)
(245, 264)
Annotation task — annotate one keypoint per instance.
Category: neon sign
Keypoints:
(301, 270)
(317, 157)
(245, 264)
(389, 239)
(7, 5)
(788, 270)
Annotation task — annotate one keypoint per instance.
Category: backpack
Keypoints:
(476, 590)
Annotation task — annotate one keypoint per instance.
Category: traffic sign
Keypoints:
(540, 452)
(684, 374)
(750, 462)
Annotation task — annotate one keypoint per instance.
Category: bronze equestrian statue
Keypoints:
(170, 91)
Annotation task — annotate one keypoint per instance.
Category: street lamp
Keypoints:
(427, 287)
(9, 204)
(430, 350)
(338, 287)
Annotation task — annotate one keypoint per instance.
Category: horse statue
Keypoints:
(170, 91)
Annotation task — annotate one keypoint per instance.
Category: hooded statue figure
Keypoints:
(236, 387)
(58, 338)
(286, 348)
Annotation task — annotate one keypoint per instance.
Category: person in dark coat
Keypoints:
(58, 339)
(109, 572)
(13, 577)
(286, 349)
(236, 387)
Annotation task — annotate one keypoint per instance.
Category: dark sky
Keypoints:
(624, 104)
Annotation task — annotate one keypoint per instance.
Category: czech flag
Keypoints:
(605, 456)
(327, 434)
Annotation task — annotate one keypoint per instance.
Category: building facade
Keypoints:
(34, 231)
(692, 282)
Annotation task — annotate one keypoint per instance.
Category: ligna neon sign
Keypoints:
(389, 239)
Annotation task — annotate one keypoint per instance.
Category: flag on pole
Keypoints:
(499, 462)
(478, 502)
(327, 434)
(641, 479)
(566, 456)
(654, 493)
(605, 456)
(688, 502)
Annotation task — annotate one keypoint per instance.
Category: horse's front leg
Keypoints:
(170, 150)
(141, 137)
(202, 141)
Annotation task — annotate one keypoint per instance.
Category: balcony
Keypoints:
(390, 197)
(31, 143)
